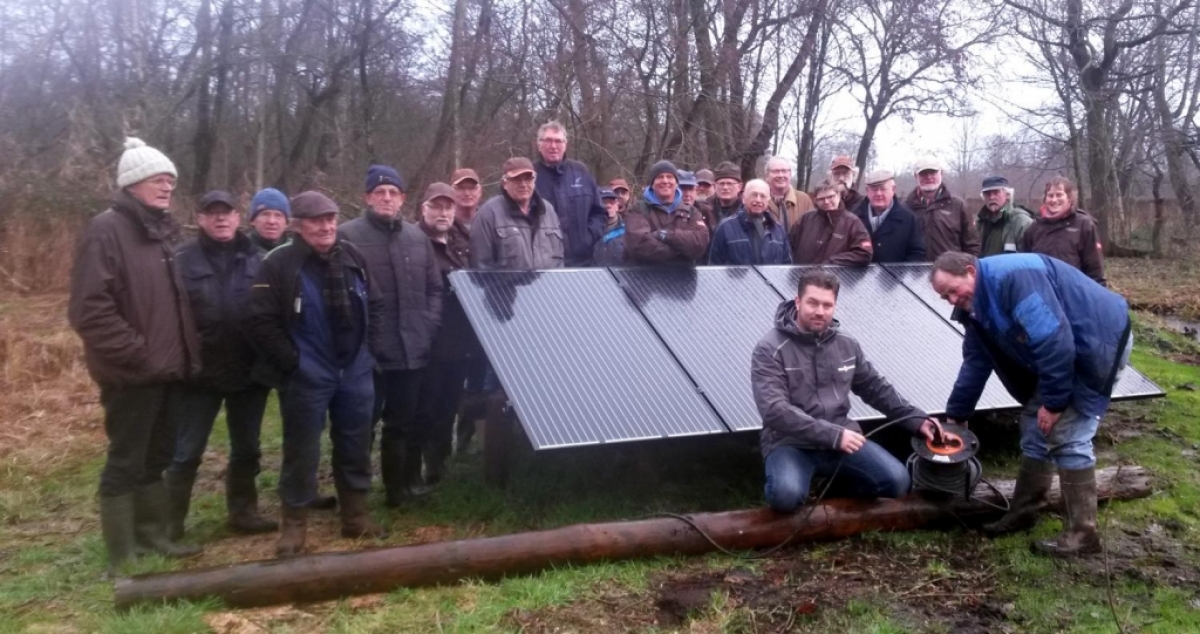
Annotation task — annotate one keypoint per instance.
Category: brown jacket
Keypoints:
(946, 223)
(127, 301)
(456, 339)
(1072, 239)
(684, 242)
(795, 204)
(830, 238)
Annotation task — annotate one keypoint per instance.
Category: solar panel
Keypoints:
(1132, 384)
(918, 353)
(578, 362)
(710, 318)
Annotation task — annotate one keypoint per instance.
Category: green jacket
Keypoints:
(1003, 234)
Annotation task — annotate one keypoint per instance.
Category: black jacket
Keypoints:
(217, 279)
(899, 238)
(405, 276)
(274, 300)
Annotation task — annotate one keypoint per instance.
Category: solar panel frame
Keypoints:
(621, 384)
(710, 318)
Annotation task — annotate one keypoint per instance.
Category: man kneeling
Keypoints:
(803, 372)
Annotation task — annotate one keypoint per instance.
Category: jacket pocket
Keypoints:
(553, 243)
(510, 243)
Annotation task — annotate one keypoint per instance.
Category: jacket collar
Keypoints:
(157, 225)
(391, 225)
(785, 322)
(535, 205)
(743, 217)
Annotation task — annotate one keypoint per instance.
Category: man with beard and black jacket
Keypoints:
(218, 268)
(315, 317)
(807, 431)
(139, 342)
(569, 187)
(405, 277)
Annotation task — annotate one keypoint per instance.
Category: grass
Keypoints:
(52, 561)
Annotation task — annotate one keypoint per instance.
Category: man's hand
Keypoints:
(851, 441)
(931, 430)
(1047, 419)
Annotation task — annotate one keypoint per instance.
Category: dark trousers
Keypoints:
(141, 435)
(870, 472)
(346, 397)
(197, 411)
(441, 391)
(396, 394)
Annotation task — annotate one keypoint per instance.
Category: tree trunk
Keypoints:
(331, 575)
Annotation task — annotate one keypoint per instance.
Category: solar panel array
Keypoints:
(592, 356)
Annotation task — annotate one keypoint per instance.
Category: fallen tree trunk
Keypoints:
(327, 576)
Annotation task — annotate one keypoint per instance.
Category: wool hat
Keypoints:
(663, 167)
(438, 190)
(927, 164)
(382, 175)
(516, 166)
(313, 204)
(270, 198)
(618, 183)
(842, 161)
(994, 182)
(140, 161)
(463, 174)
(687, 179)
(727, 170)
(606, 193)
(216, 197)
(704, 177)
(877, 177)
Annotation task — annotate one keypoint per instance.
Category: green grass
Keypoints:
(52, 561)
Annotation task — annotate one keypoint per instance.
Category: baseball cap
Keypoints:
(463, 174)
(516, 166)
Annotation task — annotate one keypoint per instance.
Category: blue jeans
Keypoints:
(197, 411)
(347, 397)
(870, 472)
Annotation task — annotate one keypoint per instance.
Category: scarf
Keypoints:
(337, 297)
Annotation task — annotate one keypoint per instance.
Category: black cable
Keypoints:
(809, 507)
(954, 480)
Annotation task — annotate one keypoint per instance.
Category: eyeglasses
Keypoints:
(780, 170)
(827, 199)
(552, 141)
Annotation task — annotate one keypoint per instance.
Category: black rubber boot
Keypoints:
(1029, 496)
(151, 512)
(294, 532)
(414, 486)
(241, 503)
(116, 526)
(179, 492)
(1079, 536)
(356, 518)
(435, 462)
(472, 410)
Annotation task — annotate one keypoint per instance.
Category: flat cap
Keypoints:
(878, 176)
(994, 182)
(312, 204)
(728, 170)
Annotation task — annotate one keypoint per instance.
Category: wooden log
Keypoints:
(325, 576)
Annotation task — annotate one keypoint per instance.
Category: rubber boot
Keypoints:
(295, 529)
(241, 503)
(435, 462)
(414, 486)
(152, 514)
(391, 469)
(179, 491)
(1029, 496)
(473, 409)
(323, 503)
(1079, 536)
(116, 526)
(356, 519)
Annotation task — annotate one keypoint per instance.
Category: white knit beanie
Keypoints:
(140, 161)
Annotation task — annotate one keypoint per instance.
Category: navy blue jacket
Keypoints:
(1042, 326)
(217, 279)
(899, 238)
(737, 242)
(570, 188)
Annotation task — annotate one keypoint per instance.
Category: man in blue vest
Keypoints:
(1058, 341)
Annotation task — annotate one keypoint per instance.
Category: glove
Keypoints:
(661, 234)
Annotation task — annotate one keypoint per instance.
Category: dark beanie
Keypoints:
(382, 175)
(663, 167)
(727, 170)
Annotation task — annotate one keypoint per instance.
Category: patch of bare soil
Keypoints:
(1159, 555)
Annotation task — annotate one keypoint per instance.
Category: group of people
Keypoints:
(355, 323)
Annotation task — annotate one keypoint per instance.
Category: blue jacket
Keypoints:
(570, 188)
(610, 250)
(1042, 326)
(899, 238)
(736, 242)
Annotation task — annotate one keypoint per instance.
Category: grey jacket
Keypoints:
(802, 384)
(504, 238)
(404, 272)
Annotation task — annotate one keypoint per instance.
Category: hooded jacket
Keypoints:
(127, 299)
(1002, 233)
(684, 236)
(405, 276)
(1043, 327)
(803, 381)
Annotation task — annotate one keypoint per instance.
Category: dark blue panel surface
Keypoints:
(578, 362)
(916, 351)
(915, 277)
(710, 318)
